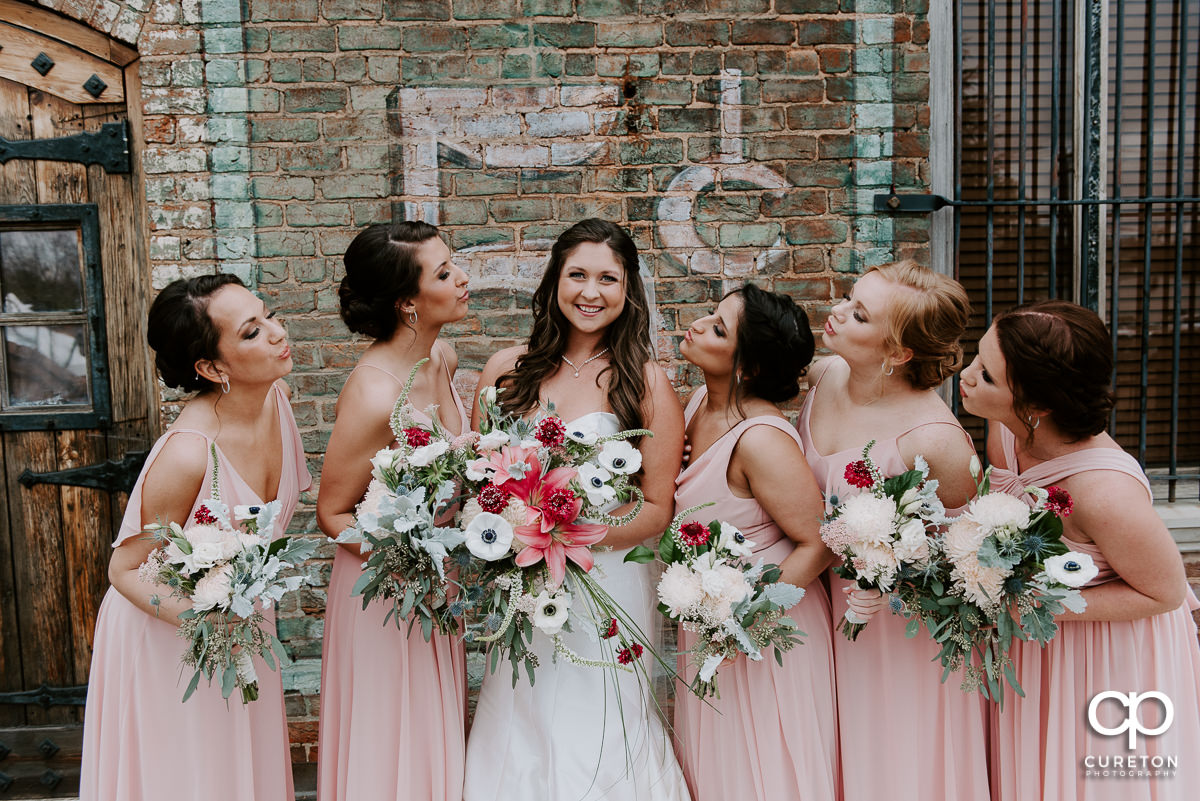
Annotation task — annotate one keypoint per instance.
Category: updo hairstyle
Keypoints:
(381, 271)
(181, 332)
(929, 321)
(1058, 357)
(774, 345)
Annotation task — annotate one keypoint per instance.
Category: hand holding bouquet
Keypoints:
(710, 589)
(881, 533)
(230, 570)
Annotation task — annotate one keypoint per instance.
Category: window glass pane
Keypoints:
(39, 270)
(47, 365)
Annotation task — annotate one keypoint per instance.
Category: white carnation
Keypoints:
(877, 563)
(679, 588)
(962, 539)
(869, 519)
(214, 589)
(427, 454)
(913, 545)
(1072, 568)
(998, 510)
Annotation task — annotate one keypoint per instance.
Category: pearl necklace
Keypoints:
(585, 362)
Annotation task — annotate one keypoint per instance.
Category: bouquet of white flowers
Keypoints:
(230, 569)
(710, 588)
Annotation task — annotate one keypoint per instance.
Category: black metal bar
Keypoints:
(1022, 150)
(46, 697)
(1147, 217)
(1088, 290)
(1176, 341)
(1055, 122)
(990, 257)
(108, 147)
(110, 476)
(927, 203)
(1117, 162)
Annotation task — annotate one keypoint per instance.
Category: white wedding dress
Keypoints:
(579, 733)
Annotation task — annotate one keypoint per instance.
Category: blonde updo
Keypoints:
(929, 321)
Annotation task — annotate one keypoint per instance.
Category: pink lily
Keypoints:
(557, 544)
(498, 462)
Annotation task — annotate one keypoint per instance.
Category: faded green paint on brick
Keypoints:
(480, 237)
(271, 271)
(811, 232)
(726, 208)
(551, 65)
(652, 151)
(549, 8)
(516, 65)
(539, 182)
(306, 39)
(524, 209)
(434, 39)
(333, 98)
(286, 70)
(310, 215)
(463, 212)
(579, 64)
(286, 243)
(664, 93)
(485, 183)
(629, 34)
(511, 34)
(572, 208)
(351, 9)
(369, 37)
(486, 9)
(696, 33)
(689, 119)
(416, 9)
(749, 235)
(605, 9)
(564, 34)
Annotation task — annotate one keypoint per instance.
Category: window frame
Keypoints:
(97, 414)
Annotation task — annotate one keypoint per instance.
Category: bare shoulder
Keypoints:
(284, 388)
(819, 367)
(368, 395)
(767, 445)
(183, 461)
(447, 353)
(501, 362)
(1103, 494)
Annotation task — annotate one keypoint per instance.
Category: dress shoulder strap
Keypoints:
(735, 434)
(694, 403)
(380, 369)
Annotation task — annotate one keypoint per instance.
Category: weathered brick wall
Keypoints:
(120, 19)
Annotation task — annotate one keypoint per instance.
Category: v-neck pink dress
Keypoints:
(905, 736)
(1045, 747)
(393, 706)
(772, 735)
(140, 741)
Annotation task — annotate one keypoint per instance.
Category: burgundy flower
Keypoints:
(694, 533)
(627, 655)
(1059, 502)
(859, 475)
(417, 437)
(612, 629)
(559, 506)
(203, 516)
(493, 499)
(550, 431)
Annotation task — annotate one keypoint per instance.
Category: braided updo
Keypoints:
(774, 345)
(381, 269)
(181, 332)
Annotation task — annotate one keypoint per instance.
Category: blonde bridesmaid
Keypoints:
(1042, 380)
(772, 733)
(904, 735)
(392, 704)
(140, 742)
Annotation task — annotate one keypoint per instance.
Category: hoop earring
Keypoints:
(412, 317)
(1034, 422)
(224, 385)
(890, 370)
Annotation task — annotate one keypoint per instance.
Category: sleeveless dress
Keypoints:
(140, 742)
(772, 735)
(904, 735)
(579, 732)
(393, 706)
(1043, 743)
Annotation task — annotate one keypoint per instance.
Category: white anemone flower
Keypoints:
(620, 457)
(550, 611)
(734, 541)
(583, 437)
(1072, 568)
(594, 480)
(489, 536)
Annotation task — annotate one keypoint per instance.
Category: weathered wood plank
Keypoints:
(17, 183)
(72, 68)
(57, 181)
(27, 764)
(66, 30)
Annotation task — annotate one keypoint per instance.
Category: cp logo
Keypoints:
(1133, 721)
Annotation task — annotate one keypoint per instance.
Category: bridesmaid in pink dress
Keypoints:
(1043, 371)
(393, 706)
(140, 743)
(772, 735)
(904, 735)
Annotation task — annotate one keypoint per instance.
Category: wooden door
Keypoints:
(55, 538)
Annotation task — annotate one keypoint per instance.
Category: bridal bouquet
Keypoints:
(1003, 572)
(882, 533)
(230, 569)
(536, 505)
(404, 523)
(711, 589)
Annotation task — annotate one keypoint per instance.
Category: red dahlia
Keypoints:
(859, 475)
(203, 516)
(550, 431)
(694, 533)
(493, 499)
(612, 629)
(627, 655)
(559, 506)
(417, 437)
(1059, 502)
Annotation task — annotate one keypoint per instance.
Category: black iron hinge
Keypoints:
(911, 204)
(108, 147)
(110, 476)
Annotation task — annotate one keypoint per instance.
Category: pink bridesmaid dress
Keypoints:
(772, 735)
(904, 735)
(1044, 746)
(393, 706)
(140, 742)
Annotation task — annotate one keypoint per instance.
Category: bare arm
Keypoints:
(661, 455)
(500, 363)
(169, 490)
(781, 481)
(1113, 510)
(948, 451)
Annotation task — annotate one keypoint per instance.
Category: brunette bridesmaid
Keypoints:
(1042, 380)
(904, 734)
(140, 742)
(392, 704)
(772, 733)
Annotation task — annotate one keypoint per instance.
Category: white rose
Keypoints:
(594, 480)
(734, 541)
(998, 510)
(488, 395)
(913, 545)
(620, 457)
(385, 459)
(492, 441)
(214, 589)
(975, 467)
(1072, 568)
(211, 545)
(426, 455)
(550, 611)
(489, 536)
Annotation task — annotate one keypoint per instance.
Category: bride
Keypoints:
(583, 732)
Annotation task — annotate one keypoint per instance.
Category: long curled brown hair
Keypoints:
(628, 337)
